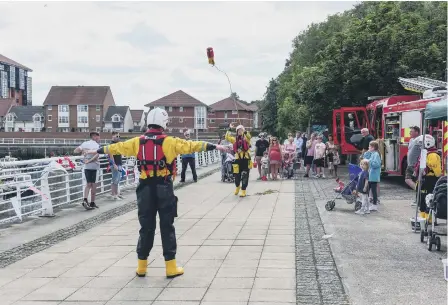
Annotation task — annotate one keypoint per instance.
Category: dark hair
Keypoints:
(114, 133)
(416, 128)
(374, 144)
(151, 126)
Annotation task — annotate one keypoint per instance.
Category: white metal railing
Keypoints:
(18, 141)
(36, 187)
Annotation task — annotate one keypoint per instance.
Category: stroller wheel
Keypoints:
(358, 205)
(430, 242)
(422, 236)
(329, 206)
(437, 242)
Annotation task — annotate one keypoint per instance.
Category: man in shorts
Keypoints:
(116, 166)
(91, 167)
(261, 146)
(414, 149)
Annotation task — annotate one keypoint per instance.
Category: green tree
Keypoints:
(354, 55)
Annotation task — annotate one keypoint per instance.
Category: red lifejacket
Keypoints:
(240, 144)
(150, 154)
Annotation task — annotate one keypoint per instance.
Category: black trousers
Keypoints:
(428, 184)
(242, 174)
(185, 162)
(152, 198)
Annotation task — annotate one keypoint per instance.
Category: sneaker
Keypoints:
(182, 181)
(120, 196)
(316, 176)
(323, 176)
(306, 176)
(367, 212)
(114, 197)
(93, 205)
(414, 203)
(373, 207)
(85, 203)
(360, 212)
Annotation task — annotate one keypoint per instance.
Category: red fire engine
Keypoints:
(389, 120)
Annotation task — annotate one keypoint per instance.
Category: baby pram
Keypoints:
(437, 206)
(346, 191)
(227, 169)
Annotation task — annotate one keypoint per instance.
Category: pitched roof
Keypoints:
(228, 104)
(121, 110)
(76, 95)
(136, 115)
(5, 105)
(253, 106)
(26, 113)
(9, 61)
(177, 99)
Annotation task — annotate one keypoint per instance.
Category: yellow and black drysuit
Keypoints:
(156, 154)
(243, 161)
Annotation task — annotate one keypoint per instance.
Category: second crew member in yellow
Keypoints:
(156, 153)
(243, 161)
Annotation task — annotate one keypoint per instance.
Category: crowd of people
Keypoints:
(315, 154)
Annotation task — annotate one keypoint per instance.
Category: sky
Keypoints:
(146, 50)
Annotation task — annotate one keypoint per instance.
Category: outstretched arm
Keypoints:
(128, 148)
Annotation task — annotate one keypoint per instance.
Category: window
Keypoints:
(161, 107)
(181, 109)
(225, 114)
(10, 117)
(234, 111)
(50, 107)
(116, 118)
(181, 120)
(63, 108)
(170, 109)
(49, 129)
(98, 108)
(98, 118)
(49, 118)
(98, 129)
(82, 108)
(170, 129)
(36, 118)
(63, 119)
(82, 119)
(170, 120)
(212, 121)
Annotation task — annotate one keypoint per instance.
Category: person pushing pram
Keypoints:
(226, 168)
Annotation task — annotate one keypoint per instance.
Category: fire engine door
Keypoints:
(353, 119)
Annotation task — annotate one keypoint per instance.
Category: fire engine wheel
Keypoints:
(358, 205)
(329, 206)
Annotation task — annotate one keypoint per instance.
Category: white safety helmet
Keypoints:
(157, 116)
(240, 127)
(187, 132)
(428, 142)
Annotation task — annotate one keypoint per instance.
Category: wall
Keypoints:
(187, 115)
(26, 126)
(128, 122)
(246, 118)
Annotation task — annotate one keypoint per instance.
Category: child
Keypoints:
(288, 165)
(362, 187)
(374, 158)
(319, 157)
(264, 166)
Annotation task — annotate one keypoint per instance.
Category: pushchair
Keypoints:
(227, 168)
(437, 206)
(287, 171)
(346, 191)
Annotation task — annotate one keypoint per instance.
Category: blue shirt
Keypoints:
(374, 165)
(362, 178)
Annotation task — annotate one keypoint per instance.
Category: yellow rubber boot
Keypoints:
(141, 267)
(243, 193)
(237, 190)
(172, 270)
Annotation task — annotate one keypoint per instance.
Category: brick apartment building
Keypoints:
(227, 111)
(15, 84)
(77, 108)
(185, 111)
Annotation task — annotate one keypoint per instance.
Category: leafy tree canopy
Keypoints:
(353, 55)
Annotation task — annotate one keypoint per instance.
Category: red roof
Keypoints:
(9, 61)
(228, 104)
(77, 95)
(177, 99)
(5, 105)
(136, 115)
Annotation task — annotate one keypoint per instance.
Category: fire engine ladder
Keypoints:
(421, 84)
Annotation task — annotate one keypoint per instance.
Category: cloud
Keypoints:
(145, 50)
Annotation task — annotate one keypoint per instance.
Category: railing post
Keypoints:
(47, 207)
(17, 203)
(196, 161)
(83, 180)
(67, 186)
(101, 178)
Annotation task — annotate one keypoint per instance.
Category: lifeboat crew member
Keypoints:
(243, 162)
(156, 154)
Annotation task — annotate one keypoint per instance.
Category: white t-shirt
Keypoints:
(89, 145)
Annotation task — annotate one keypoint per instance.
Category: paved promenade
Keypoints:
(267, 248)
